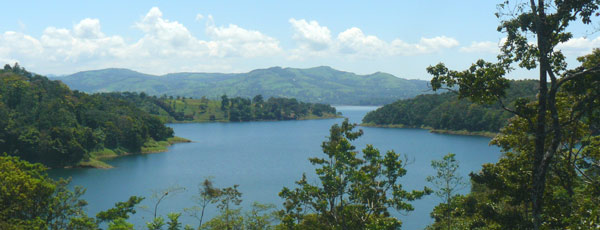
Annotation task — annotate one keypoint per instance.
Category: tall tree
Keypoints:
(352, 192)
(207, 194)
(448, 181)
(546, 23)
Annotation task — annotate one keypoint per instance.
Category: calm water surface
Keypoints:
(262, 158)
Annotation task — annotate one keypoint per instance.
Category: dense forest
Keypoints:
(44, 121)
(446, 111)
(181, 109)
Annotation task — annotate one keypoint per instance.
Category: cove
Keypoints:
(262, 158)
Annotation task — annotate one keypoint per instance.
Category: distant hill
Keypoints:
(319, 85)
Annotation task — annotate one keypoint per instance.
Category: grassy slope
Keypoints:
(192, 107)
(97, 157)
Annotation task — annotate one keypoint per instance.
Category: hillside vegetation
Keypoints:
(181, 109)
(44, 121)
(317, 85)
(447, 112)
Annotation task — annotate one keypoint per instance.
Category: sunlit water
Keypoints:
(262, 158)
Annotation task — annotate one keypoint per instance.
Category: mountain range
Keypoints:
(319, 84)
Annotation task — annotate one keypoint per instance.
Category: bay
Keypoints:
(262, 158)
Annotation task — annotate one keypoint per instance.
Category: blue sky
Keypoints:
(398, 37)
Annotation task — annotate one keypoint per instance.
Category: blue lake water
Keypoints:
(262, 158)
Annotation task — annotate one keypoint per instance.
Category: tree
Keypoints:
(207, 194)
(500, 197)
(29, 199)
(159, 195)
(257, 99)
(120, 224)
(120, 212)
(260, 217)
(447, 181)
(229, 197)
(484, 82)
(174, 223)
(352, 192)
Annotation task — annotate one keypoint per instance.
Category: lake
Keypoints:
(262, 158)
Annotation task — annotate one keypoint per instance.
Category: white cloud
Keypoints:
(424, 46)
(311, 35)
(234, 40)
(579, 46)
(481, 47)
(164, 43)
(315, 40)
(574, 47)
(164, 32)
(353, 40)
(436, 43)
(88, 28)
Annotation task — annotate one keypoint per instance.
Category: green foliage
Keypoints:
(120, 211)
(447, 111)
(227, 109)
(317, 85)
(29, 199)
(482, 82)
(448, 182)
(43, 121)
(260, 217)
(501, 193)
(353, 192)
(120, 224)
(229, 217)
(174, 223)
(207, 194)
(156, 224)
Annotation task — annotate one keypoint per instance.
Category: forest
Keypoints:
(445, 111)
(44, 121)
(181, 109)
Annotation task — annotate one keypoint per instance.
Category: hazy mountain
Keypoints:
(320, 84)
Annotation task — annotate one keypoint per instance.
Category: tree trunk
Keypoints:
(540, 165)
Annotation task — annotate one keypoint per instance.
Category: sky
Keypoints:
(159, 37)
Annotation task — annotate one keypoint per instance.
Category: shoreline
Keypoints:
(227, 121)
(438, 131)
(97, 158)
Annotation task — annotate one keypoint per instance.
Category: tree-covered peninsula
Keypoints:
(445, 112)
(181, 109)
(44, 121)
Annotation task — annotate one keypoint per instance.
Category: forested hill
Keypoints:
(44, 121)
(446, 112)
(182, 109)
(318, 85)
